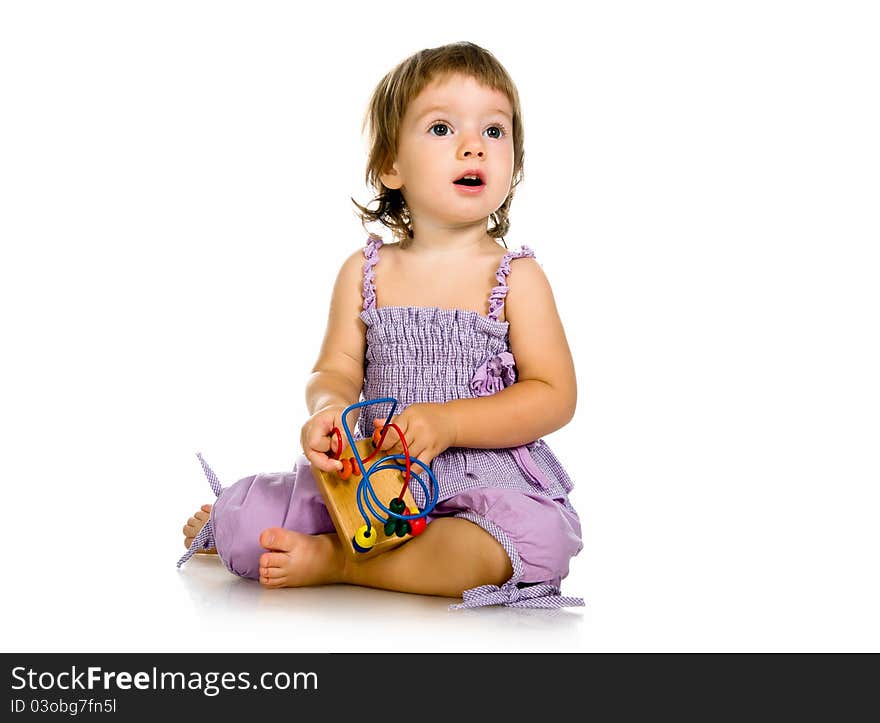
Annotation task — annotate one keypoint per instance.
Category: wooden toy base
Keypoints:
(340, 496)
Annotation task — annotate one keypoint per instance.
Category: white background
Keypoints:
(701, 190)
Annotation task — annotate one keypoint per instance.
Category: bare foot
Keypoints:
(193, 525)
(298, 560)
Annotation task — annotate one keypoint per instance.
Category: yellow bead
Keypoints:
(366, 539)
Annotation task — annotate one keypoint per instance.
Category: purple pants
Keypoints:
(539, 534)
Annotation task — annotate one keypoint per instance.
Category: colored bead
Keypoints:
(402, 528)
(345, 472)
(355, 470)
(376, 436)
(397, 505)
(390, 527)
(357, 547)
(417, 526)
(364, 539)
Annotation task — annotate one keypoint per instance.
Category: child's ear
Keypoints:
(391, 178)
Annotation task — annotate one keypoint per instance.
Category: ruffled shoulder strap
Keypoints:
(496, 298)
(371, 256)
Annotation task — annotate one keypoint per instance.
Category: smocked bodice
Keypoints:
(422, 354)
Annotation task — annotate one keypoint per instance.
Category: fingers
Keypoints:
(318, 440)
(316, 433)
(392, 437)
(322, 461)
(425, 455)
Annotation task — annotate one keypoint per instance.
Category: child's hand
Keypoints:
(316, 440)
(428, 428)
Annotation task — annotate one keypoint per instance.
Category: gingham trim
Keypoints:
(209, 473)
(498, 293)
(542, 595)
(204, 540)
(371, 256)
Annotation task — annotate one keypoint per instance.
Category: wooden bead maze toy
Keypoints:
(353, 494)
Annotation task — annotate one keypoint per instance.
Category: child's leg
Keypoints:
(449, 557)
(245, 508)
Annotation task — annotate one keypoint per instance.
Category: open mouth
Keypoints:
(469, 180)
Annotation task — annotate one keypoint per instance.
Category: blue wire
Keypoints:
(366, 487)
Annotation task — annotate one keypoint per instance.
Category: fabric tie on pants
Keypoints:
(204, 540)
(543, 595)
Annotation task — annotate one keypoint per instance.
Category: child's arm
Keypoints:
(544, 397)
(338, 374)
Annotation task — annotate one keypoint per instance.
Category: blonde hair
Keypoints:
(384, 117)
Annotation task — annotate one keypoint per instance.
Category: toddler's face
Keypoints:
(454, 126)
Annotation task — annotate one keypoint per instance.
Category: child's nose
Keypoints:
(471, 146)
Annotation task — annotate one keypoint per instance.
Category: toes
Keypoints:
(267, 537)
(277, 538)
(272, 573)
(202, 515)
(206, 508)
(187, 542)
(270, 583)
(273, 560)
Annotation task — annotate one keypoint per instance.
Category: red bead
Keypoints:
(417, 526)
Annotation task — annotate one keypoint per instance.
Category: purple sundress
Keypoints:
(428, 354)
(519, 495)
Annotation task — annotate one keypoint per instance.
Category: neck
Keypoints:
(437, 241)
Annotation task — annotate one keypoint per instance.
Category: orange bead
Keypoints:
(345, 472)
(355, 470)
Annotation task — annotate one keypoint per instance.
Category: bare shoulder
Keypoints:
(344, 344)
(353, 265)
(528, 286)
(537, 338)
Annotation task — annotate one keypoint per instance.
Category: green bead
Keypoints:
(397, 505)
(390, 527)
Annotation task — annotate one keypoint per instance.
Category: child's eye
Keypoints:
(495, 131)
(501, 131)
